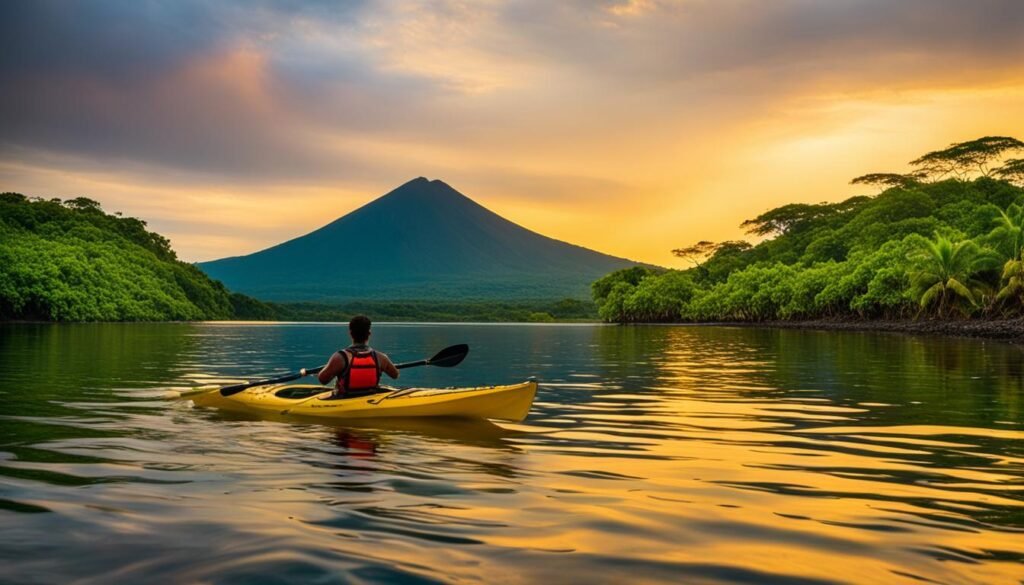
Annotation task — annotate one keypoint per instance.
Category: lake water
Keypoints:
(652, 454)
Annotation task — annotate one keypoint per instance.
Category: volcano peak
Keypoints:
(422, 240)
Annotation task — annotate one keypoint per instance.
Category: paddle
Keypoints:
(230, 390)
(446, 358)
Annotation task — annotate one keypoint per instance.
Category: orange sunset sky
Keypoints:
(629, 127)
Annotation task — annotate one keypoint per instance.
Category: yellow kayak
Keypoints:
(510, 402)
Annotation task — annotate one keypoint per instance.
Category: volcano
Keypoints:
(422, 241)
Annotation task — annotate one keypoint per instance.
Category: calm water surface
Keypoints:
(652, 454)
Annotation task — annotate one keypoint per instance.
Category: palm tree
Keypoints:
(1009, 235)
(946, 273)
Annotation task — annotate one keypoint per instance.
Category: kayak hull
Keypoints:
(511, 402)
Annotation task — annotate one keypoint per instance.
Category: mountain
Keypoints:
(422, 241)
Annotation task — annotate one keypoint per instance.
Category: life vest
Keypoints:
(362, 371)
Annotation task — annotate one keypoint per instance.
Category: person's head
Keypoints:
(359, 328)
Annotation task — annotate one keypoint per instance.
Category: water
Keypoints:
(652, 454)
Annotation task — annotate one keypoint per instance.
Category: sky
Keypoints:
(629, 126)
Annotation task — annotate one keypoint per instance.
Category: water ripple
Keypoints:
(652, 454)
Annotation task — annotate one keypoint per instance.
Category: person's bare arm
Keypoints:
(334, 366)
(386, 366)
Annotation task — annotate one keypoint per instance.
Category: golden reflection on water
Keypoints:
(653, 454)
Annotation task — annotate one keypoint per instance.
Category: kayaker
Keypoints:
(357, 367)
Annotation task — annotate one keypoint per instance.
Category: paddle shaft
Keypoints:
(229, 390)
(412, 364)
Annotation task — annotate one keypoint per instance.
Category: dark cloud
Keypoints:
(125, 39)
(113, 40)
(202, 87)
(276, 89)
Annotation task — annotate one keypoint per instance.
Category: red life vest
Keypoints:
(362, 371)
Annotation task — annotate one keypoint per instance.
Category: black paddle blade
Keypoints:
(229, 390)
(449, 356)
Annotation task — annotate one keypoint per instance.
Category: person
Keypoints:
(358, 367)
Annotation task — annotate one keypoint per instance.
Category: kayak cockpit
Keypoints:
(299, 392)
(304, 392)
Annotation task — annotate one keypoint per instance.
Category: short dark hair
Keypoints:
(359, 328)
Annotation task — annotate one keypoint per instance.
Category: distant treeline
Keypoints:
(438, 311)
(943, 241)
(70, 261)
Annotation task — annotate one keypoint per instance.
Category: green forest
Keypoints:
(71, 261)
(943, 241)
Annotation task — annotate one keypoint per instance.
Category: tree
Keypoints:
(696, 253)
(782, 220)
(602, 287)
(1012, 171)
(945, 273)
(851, 204)
(660, 297)
(704, 250)
(960, 159)
(1013, 281)
(1009, 238)
(611, 307)
(731, 248)
(889, 180)
(83, 204)
(1009, 232)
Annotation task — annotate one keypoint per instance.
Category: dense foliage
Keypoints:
(945, 240)
(70, 261)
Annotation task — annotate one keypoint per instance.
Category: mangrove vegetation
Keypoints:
(71, 261)
(942, 241)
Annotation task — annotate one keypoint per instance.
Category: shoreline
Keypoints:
(313, 322)
(1008, 330)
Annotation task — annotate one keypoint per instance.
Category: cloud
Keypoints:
(238, 88)
(663, 101)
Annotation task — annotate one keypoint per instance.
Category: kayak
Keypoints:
(511, 402)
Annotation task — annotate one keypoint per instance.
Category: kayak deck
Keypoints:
(511, 402)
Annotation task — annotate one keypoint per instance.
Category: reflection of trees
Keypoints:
(957, 382)
(625, 353)
(768, 375)
(46, 367)
(40, 363)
